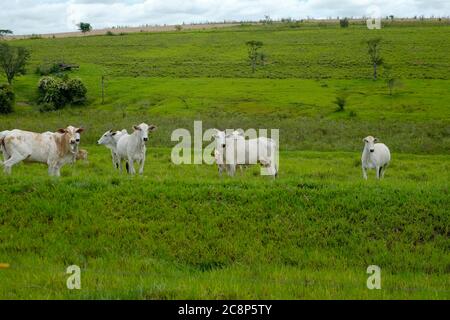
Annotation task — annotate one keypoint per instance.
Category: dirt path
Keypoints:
(127, 30)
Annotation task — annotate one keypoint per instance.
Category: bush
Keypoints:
(7, 99)
(76, 91)
(55, 92)
(343, 23)
(340, 101)
(46, 69)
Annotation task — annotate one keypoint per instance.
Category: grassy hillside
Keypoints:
(204, 75)
(181, 231)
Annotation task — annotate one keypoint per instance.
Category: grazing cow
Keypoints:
(131, 147)
(55, 149)
(375, 156)
(235, 150)
(109, 139)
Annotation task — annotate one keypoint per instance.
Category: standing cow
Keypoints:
(375, 156)
(131, 147)
(234, 150)
(54, 149)
(109, 139)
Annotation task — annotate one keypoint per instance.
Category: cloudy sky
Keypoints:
(51, 16)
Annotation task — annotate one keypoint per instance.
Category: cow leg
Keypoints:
(131, 166)
(141, 165)
(378, 172)
(114, 160)
(383, 171)
(364, 173)
(54, 170)
(231, 170)
(13, 159)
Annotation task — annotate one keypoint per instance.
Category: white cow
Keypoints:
(131, 147)
(109, 139)
(235, 150)
(55, 149)
(375, 156)
(219, 152)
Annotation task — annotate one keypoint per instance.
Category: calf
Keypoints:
(375, 155)
(82, 155)
(54, 149)
(131, 147)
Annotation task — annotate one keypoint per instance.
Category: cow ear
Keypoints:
(364, 140)
(61, 130)
(113, 133)
(152, 128)
(136, 128)
(375, 140)
(79, 130)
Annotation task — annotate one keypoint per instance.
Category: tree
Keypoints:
(84, 27)
(13, 60)
(374, 54)
(4, 32)
(253, 54)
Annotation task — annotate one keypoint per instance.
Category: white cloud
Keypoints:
(47, 16)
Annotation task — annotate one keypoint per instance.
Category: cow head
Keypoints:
(143, 130)
(107, 138)
(369, 143)
(220, 137)
(71, 137)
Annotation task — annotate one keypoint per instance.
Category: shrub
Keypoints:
(340, 101)
(7, 98)
(56, 92)
(76, 91)
(46, 69)
(46, 107)
(343, 23)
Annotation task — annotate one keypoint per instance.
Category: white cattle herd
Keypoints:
(231, 150)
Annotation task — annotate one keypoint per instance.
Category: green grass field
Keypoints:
(181, 232)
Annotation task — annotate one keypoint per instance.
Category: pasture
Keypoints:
(181, 232)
